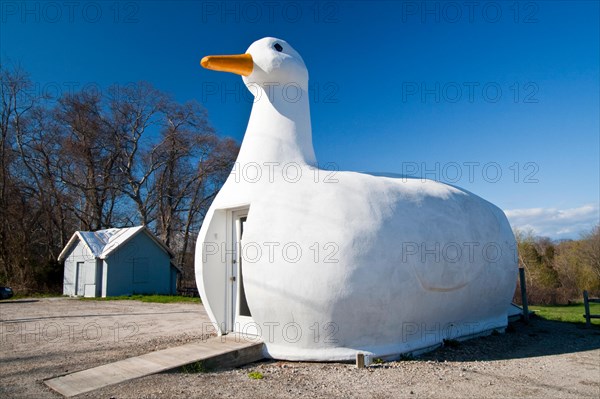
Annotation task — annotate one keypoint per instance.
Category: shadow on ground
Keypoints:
(538, 338)
(19, 301)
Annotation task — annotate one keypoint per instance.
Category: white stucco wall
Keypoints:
(340, 263)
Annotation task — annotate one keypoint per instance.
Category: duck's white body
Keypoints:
(337, 263)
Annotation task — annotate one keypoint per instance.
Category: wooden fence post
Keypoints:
(523, 295)
(586, 304)
(360, 360)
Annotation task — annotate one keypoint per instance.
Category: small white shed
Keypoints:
(116, 262)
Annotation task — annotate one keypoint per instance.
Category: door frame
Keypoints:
(235, 321)
(79, 266)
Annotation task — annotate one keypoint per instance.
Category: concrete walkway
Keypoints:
(233, 349)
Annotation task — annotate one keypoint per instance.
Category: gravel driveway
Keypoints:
(48, 337)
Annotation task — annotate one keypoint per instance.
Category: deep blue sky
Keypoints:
(528, 75)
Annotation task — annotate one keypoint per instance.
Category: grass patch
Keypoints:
(256, 375)
(148, 298)
(566, 313)
(194, 368)
(37, 295)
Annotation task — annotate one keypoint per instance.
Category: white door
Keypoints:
(242, 317)
(80, 278)
(85, 279)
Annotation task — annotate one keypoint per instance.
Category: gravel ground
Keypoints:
(540, 360)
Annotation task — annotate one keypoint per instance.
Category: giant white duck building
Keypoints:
(323, 265)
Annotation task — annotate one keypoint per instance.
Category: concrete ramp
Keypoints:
(232, 349)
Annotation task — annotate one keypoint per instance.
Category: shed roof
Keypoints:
(104, 242)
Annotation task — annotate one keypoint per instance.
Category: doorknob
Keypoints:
(232, 279)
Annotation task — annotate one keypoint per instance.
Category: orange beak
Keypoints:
(240, 64)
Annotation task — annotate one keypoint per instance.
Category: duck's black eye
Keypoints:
(278, 47)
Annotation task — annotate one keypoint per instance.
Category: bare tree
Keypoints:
(38, 149)
(91, 161)
(134, 110)
(17, 102)
(215, 163)
(92, 148)
(184, 129)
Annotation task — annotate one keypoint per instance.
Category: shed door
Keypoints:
(80, 278)
(86, 279)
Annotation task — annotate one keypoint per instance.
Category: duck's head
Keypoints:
(267, 61)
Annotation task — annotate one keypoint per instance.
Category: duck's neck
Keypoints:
(279, 130)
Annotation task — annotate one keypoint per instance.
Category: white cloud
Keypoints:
(555, 223)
